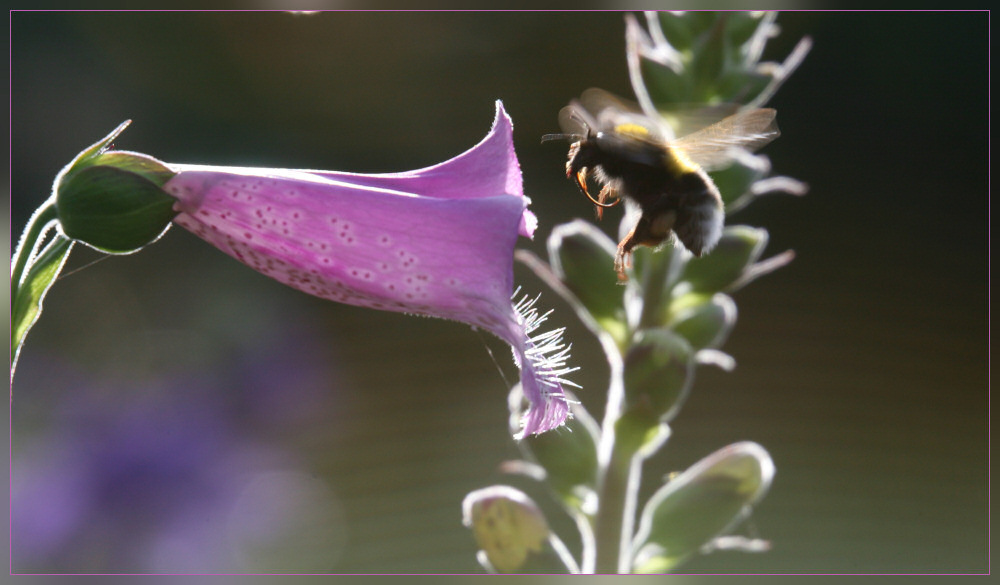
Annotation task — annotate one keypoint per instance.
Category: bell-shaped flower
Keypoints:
(438, 241)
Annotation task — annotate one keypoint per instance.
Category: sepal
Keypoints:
(700, 504)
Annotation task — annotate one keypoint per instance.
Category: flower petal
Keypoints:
(488, 167)
(437, 241)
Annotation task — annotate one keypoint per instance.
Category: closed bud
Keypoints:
(583, 257)
(705, 324)
(112, 200)
(736, 181)
(742, 27)
(512, 533)
(658, 373)
(739, 247)
(700, 504)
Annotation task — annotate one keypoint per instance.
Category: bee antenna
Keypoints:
(550, 137)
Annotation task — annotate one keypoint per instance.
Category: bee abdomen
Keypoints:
(700, 219)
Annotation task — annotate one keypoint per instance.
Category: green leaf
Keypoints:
(705, 501)
(26, 306)
(112, 210)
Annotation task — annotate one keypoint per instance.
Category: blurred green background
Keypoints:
(174, 411)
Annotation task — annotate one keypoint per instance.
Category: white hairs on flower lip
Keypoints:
(547, 351)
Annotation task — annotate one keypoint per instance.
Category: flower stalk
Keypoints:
(27, 291)
(671, 314)
(618, 493)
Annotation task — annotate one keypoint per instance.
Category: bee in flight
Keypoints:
(632, 155)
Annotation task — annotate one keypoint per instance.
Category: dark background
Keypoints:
(174, 411)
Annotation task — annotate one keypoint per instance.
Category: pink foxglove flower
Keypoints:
(438, 241)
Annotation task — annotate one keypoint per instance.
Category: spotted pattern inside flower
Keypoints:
(349, 260)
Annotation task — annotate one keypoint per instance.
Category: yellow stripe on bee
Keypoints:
(676, 160)
(634, 130)
(680, 161)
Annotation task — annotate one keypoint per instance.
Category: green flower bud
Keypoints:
(666, 86)
(655, 272)
(112, 201)
(738, 178)
(143, 165)
(679, 28)
(739, 248)
(115, 211)
(710, 60)
(741, 25)
(705, 324)
(738, 83)
(512, 533)
(700, 504)
(658, 371)
(583, 258)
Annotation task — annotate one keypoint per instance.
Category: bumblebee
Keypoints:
(633, 156)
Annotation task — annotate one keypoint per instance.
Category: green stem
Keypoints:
(654, 289)
(618, 494)
(619, 460)
(36, 228)
(619, 473)
(33, 270)
(27, 305)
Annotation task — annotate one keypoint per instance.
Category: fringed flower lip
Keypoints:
(437, 241)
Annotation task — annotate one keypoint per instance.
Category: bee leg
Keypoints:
(651, 230)
(623, 259)
(576, 169)
(606, 194)
(581, 181)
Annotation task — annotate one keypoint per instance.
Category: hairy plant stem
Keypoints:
(617, 492)
(31, 259)
(27, 247)
(619, 472)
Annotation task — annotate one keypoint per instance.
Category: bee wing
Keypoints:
(612, 111)
(710, 147)
(684, 119)
(597, 100)
(575, 120)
